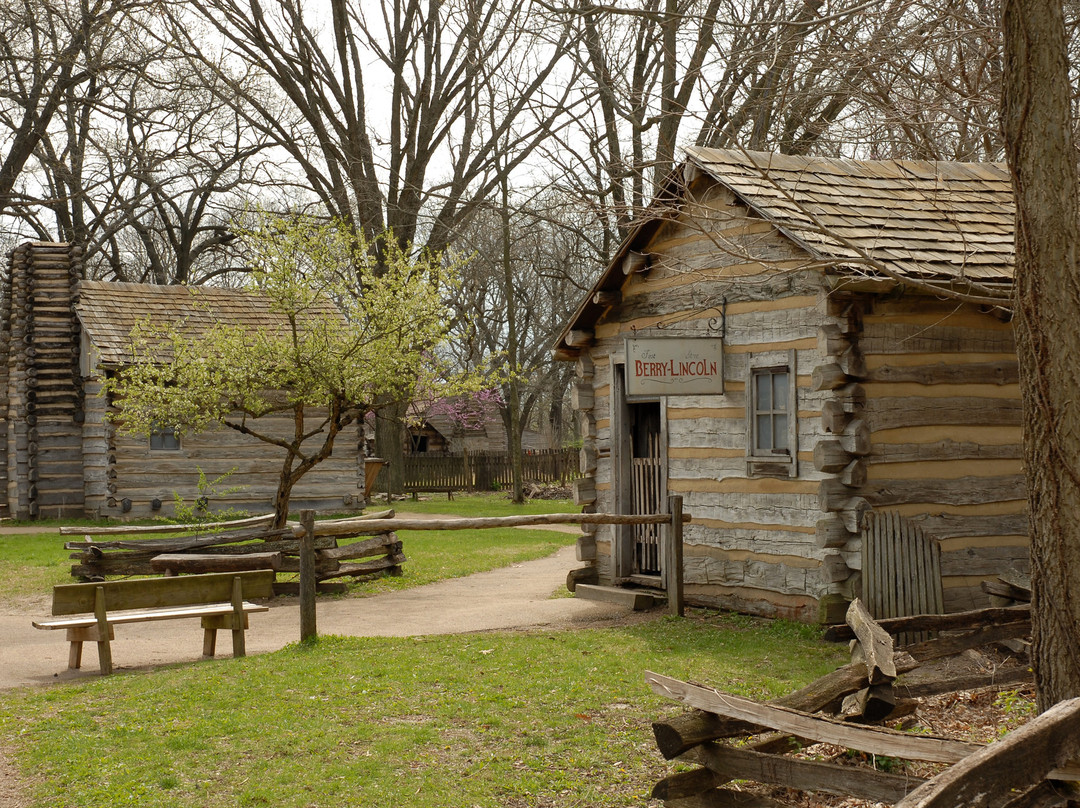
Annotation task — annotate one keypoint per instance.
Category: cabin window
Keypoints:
(772, 442)
(164, 439)
(771, 411)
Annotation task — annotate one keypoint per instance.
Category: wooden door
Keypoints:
(647, 483)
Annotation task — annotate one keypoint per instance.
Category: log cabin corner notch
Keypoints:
(59, 454)
(864, 434)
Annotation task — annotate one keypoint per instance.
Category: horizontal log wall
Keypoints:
(752, 543)
(134, 472)
(943, 407)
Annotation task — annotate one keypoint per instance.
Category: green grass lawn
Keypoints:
(510, 719)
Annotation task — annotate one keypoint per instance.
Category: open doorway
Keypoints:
(647, 479)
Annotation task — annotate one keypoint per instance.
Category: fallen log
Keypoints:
(362, 549)
(875, 643)
(1008, 677)
(686, 784)
(977, 618)
(948, 646)
(723, 798)
(808, 775)
(176, 563)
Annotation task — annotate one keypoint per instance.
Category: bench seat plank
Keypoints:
(146, 615)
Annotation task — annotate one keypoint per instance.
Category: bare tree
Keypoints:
(902, 78)
(47, 50)
(528, 267)
(395, 112)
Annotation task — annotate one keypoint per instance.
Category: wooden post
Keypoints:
(104, 649)
(307, 576)
(675, 557)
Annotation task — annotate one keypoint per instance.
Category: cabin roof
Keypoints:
(109, 311)
(938, 222)
(924, 220)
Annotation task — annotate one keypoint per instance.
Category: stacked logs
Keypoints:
(843, 456)
(43, 392)
(582, 401)
(251, 546)
(728, 738)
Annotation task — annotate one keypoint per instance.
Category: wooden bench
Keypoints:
(217, 598)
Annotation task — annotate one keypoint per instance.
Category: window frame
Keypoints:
(163, 435)
(769, 462)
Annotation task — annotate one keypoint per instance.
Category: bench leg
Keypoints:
(104, 632)
(77, 636)
(209, 643)
(75, 655)
(239, 649)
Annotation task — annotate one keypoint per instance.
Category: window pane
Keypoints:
(780, 432)
(780, 390)
(764, 431)
(763, 392)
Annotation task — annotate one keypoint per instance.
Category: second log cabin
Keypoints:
(62, 455)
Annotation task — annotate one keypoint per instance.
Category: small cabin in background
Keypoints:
(60, 456)
(775, 343)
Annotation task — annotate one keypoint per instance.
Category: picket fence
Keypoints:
(485, 471)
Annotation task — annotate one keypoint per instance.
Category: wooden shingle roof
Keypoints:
(924, 220)
(109, 311)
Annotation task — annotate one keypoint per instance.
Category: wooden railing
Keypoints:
(485, 471)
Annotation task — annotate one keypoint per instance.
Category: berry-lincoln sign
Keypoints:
(674, 366)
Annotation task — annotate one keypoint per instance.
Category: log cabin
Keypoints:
(817, 355)
(62, 455)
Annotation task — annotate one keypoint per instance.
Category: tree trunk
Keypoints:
(1037, 124)
(390, 445)
(513, 400)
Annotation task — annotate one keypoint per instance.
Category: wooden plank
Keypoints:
(992, 775)
(808, 775)
(680, 733)
(478, 523)
(874, 740)
(877, 644)
(630, 598)
(149, 615)
(131, 530)
(161, 592)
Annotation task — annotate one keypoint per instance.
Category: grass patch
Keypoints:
(32, 564)
(551, 719)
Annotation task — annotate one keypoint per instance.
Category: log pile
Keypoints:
(727, 737)
(251, 544)
(42, 398)
(843, 455)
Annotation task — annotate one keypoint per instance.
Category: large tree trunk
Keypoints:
(1037, 123)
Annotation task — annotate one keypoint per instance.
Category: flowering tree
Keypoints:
(339, 341)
